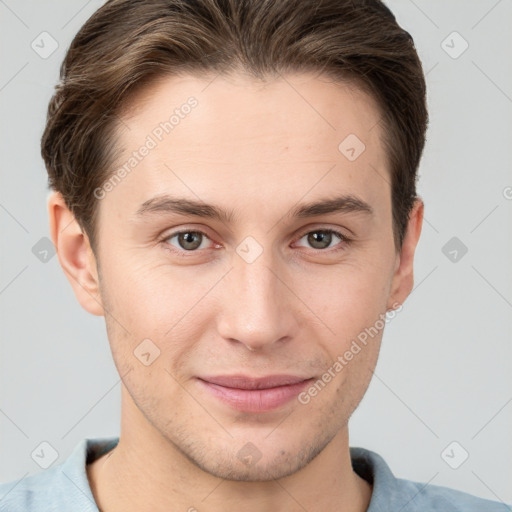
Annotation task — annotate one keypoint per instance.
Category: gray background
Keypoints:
(445, 364)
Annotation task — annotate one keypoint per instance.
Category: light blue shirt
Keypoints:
(65, 487)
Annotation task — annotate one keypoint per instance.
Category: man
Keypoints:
(234, 190)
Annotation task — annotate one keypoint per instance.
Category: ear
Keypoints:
(403, 278)
(75, 254)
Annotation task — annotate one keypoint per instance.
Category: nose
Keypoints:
(258, 306)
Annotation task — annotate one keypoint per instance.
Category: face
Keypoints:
(269, 286)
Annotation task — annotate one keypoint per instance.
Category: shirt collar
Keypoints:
(367, 464)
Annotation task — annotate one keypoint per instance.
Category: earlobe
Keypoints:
(75, 254)
(403, 277)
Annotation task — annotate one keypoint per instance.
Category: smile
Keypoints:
(254, 394)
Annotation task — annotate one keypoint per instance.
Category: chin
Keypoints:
(247, 463)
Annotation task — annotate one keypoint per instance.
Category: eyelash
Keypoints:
(345, 241)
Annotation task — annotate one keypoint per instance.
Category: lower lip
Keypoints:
(256, 400)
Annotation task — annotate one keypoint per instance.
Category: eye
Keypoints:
(187, 240)
(190, 241)
(321, 239)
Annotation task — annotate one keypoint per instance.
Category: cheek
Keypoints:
(148, 290)
(155, 299)
(350, 296)
(353, 307)
(154, 302)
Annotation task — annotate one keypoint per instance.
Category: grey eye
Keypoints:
(187, 240)
(321, 239)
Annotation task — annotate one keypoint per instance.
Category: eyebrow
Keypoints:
(165, 204)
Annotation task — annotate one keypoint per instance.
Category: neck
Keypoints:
(147, 472)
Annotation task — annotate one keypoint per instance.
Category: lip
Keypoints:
(250, 394)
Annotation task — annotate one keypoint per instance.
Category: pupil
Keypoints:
(188, 238)
(321, 237)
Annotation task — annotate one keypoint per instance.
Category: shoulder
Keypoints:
(428, 497)
(61, 488)
(391, 493)
(31, 493)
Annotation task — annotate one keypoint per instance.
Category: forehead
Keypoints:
(235, 105)
(230, 136)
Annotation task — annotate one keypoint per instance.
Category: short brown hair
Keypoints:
(126, 44)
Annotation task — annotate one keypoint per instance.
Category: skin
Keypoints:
(293, 310)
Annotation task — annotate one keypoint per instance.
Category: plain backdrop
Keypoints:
(442, 384)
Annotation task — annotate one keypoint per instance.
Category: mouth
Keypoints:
(249, 394)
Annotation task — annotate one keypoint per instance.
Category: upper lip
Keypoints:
(245, 382)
